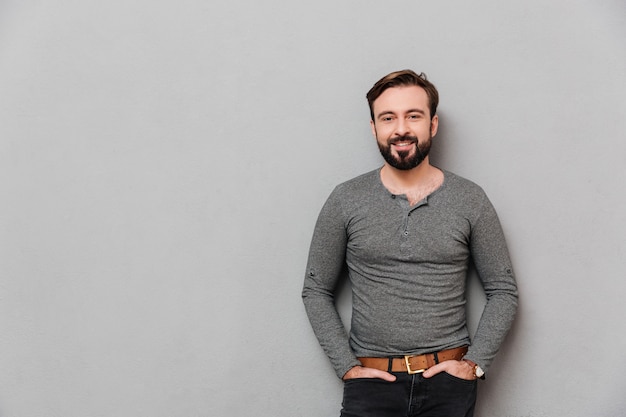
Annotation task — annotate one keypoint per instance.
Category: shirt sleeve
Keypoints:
(492, 261)
(325, 267)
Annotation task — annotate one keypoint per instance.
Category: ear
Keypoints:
(434, 125)
(373, 126)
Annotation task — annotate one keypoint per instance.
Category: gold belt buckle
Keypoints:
(408, 366)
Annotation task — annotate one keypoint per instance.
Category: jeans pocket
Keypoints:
(470, 382)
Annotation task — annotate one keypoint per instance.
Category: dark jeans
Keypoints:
(443, 395)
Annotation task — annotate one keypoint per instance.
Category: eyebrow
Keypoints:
(420, 111)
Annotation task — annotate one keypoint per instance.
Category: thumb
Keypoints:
(384, 375)
(434, 370)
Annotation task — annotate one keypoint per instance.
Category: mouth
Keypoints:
(403, 144)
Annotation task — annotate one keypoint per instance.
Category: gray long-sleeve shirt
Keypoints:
(407, 266)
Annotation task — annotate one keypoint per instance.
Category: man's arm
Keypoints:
(325, 267)
(493, 264)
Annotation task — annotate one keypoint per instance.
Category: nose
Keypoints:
(402, 127)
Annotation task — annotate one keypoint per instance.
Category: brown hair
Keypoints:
(404, 78)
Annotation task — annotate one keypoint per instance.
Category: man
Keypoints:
(407, 232)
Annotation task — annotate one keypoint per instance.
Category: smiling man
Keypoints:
(407, 233)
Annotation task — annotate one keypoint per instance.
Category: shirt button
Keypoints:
(393, 196)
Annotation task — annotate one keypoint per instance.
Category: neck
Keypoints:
(416, 184)
(408, 179)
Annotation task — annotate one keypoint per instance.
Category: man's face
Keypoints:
(403, 127)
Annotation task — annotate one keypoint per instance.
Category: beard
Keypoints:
(405, 160)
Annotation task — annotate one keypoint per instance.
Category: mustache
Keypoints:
(405, 138)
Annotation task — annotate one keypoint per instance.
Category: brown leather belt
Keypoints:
(414, 364)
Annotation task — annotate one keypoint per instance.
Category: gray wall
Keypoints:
(162, 164)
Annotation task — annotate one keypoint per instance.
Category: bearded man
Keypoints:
(407, 233)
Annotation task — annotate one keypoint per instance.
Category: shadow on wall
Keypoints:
(441, 149)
